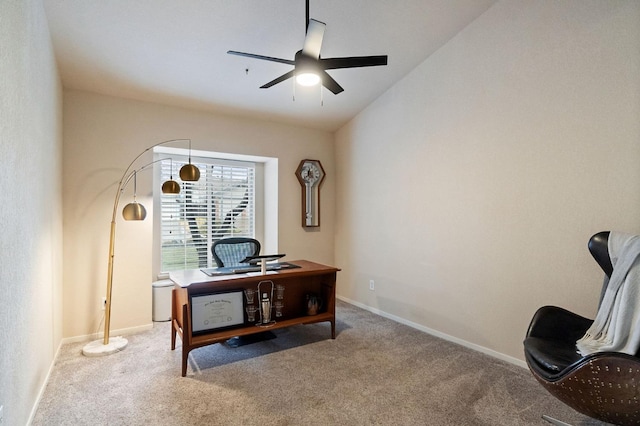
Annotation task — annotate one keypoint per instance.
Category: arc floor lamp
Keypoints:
(132, 211)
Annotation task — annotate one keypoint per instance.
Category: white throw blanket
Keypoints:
(617, 324)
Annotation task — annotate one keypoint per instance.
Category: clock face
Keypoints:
(310, 172)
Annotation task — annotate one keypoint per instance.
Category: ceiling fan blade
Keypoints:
(280, 79)
(353, 62)
(313, 39)
(265, 58)
(330, 83)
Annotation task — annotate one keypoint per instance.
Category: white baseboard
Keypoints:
(119, 332)
(482, 349)
(34, 409)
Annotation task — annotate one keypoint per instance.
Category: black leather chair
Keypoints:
(602, 385)
(230, 251)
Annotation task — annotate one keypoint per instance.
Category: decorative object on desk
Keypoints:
(249, 293)
(251, 313)
(279, 304)
(262, 260)
(265, 292)
(265, 306)
(314, 304)
(279, 291)
(310, 174)
(132, 211)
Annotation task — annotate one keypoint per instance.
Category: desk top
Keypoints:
(196, 276)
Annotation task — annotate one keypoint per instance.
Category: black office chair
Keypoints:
(602, 385)
(230, 251)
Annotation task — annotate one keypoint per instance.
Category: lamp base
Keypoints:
(98, 348)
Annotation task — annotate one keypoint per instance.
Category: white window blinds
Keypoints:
(221, 204)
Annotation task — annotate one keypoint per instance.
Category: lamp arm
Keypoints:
(125, 181)
(126, 177)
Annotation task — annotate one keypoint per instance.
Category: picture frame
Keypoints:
(216, 311)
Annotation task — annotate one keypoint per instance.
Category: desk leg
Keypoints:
(173, 335)
(333, 328)
(173, 319)
(186, 340)
(185, 358)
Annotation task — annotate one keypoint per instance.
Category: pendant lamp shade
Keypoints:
(171, 187)
(134, 211)
(189, 173)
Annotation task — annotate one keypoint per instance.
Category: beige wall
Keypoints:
(31, 208)
(469, 190)
(102, 135)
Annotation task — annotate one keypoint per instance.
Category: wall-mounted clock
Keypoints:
(310, 174)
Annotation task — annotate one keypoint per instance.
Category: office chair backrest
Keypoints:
(230, 251)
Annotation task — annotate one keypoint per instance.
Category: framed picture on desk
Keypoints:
(214, 311)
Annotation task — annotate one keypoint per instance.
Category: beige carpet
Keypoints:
(376, 372)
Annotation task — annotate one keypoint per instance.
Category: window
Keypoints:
(221, 204)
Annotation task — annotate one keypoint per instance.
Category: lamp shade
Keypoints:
(134, 211)
(189, 173)
(171, 187)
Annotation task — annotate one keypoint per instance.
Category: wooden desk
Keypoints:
(308, 278)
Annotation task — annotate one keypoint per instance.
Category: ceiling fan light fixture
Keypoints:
(307, 78)
(309, 68)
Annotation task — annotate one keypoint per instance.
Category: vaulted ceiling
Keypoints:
(175, 51)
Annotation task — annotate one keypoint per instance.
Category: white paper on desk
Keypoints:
(232, 277)
(255, 274)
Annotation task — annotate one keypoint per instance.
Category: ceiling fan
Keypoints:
(309, 67)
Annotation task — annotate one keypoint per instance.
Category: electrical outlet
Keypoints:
(103, 304)
(372, 285)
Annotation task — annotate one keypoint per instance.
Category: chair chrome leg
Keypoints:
(554, 421)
